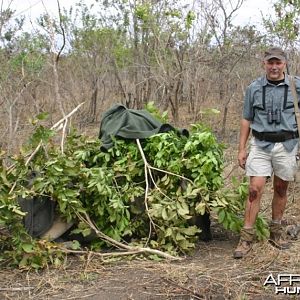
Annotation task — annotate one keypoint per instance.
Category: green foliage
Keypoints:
(230, 214)
(142, 12)
(285, 27)
(163, 117)
(190, 17)
(110, 187)
(102, 42)
(261, 228)
(29, 54)
(10, 26)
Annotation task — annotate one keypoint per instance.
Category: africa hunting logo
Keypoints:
(285, 284)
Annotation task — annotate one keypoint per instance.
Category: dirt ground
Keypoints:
(210, 273)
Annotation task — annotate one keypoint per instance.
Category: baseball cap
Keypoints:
(274, 52)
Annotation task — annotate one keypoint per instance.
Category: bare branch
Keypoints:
(120, 245)
(63, 33)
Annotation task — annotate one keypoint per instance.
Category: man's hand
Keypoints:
(244, 134)
(242, 157)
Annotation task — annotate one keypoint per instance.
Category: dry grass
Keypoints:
(211, 273)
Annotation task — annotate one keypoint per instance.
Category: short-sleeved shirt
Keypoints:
(262, 97)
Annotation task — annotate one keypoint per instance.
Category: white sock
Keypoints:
(276, 221)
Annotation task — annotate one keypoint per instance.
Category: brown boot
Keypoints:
(276, 237)
(245, 243)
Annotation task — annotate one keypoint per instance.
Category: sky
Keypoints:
(252, 10)
(248, 14)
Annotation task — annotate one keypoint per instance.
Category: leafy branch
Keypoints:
(121, 194)
(131, 249)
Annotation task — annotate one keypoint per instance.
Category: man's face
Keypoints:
(274, 68)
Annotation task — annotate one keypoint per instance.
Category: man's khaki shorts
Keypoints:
(280, 162)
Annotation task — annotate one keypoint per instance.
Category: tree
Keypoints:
(285, 26)
(228, 46)
(9, 27)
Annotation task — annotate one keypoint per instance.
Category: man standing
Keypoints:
(269, 113)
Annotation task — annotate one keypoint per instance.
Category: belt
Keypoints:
(275, 137)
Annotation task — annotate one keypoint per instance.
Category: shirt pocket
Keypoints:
(258, 102)
(288, 105)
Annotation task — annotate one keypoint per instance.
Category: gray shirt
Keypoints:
(261, 97)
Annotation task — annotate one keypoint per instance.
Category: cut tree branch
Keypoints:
(120, 245)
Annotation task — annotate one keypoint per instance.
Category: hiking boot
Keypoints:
(276, 237)
(245, 243)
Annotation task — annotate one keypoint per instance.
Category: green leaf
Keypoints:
(164, 214)
(75, 245)
(182, 208)
(42, 116)
(28, 248)
(58, 168)
(16, 210)
(221, 216)
(191, 231)
(200, 208)
(179, 237)
(168, 232)
(57, 262)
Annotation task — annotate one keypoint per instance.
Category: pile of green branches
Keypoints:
(142, 192)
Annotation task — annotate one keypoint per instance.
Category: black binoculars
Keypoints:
(274, 116)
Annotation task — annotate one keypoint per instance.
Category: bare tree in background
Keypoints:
(184, 58)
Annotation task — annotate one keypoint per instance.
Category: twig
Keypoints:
(17, 289)
(55, 127)
(63, 136)
(13, 187)
(67, 116)
(123, 246)
(33, 153)
(106, 254)
(171, 173)
(192, 293)
(147, 188)
(82, 297)
(90, 254)
(157, 187)
(231, 171)
(147, 169)
(294, 189)
(63, 33)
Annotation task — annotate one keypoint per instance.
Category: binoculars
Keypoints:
(274, 116)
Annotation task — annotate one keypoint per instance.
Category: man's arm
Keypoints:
(244, 134)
